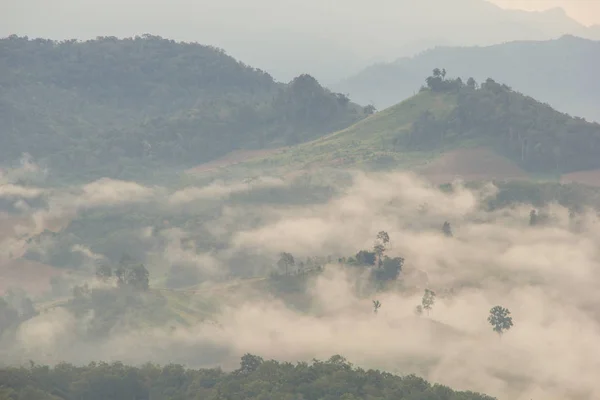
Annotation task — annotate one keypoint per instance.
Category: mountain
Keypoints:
(110, 107)
(503, 129)
(288, 38)
(556, 71)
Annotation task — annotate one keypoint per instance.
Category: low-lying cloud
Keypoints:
(547, 275)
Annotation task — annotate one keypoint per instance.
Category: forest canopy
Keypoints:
(256, 378)
(109, 106)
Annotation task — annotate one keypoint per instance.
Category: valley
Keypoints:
(178, 225)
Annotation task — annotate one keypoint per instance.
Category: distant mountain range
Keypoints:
(328, 40)
(560, 72)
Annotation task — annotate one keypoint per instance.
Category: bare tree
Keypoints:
(376, 306)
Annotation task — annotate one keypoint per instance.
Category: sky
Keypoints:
(585, 11)
(329, 39)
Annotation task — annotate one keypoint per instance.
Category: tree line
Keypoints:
(255, 378)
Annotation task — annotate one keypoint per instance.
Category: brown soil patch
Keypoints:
(31, 276)
(470, 165)
(9, 225)
(235, 157)
(591, 178)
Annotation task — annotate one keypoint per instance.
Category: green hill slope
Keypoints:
(110, 107)
(448, 115)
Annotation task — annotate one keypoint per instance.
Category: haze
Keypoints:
(220, 184)
(545, 274)
(328, 39)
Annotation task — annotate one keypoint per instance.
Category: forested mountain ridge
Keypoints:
(448, 114)
(553, 71)
(110, 107)
(533, 134)
(254, 379)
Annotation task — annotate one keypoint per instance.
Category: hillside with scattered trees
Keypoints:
(537, 137)
(114, 107)
(450, 114)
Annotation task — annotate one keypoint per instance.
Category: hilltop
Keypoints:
(554, 71)
(449, 116)
(116, 107)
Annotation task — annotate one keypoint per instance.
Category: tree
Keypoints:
(471, 83)
(369, 109)
(138, 277)
(365, 257)
(500, 319)
(383, 237)
(376, 306)
(249, 363)
(447, 229)
(389, 269)
(134, 275)
(533, 218)
(342, 99)
(428, 300)
(286, 260)
(379, 249)
(419, 310)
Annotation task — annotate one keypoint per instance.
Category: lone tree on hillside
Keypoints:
(376, 306)
(500, 319)
(369, 109)
(447, 229)
(428, 300)
(533, 218)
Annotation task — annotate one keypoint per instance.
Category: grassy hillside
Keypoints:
(110, 107)
(367, 144)
(554, 71)
(448, 115)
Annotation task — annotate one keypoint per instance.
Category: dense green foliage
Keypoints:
(110, 107)
(533, 134)
(255, 379)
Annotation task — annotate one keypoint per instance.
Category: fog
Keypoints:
(328, 39)
(546, 275)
